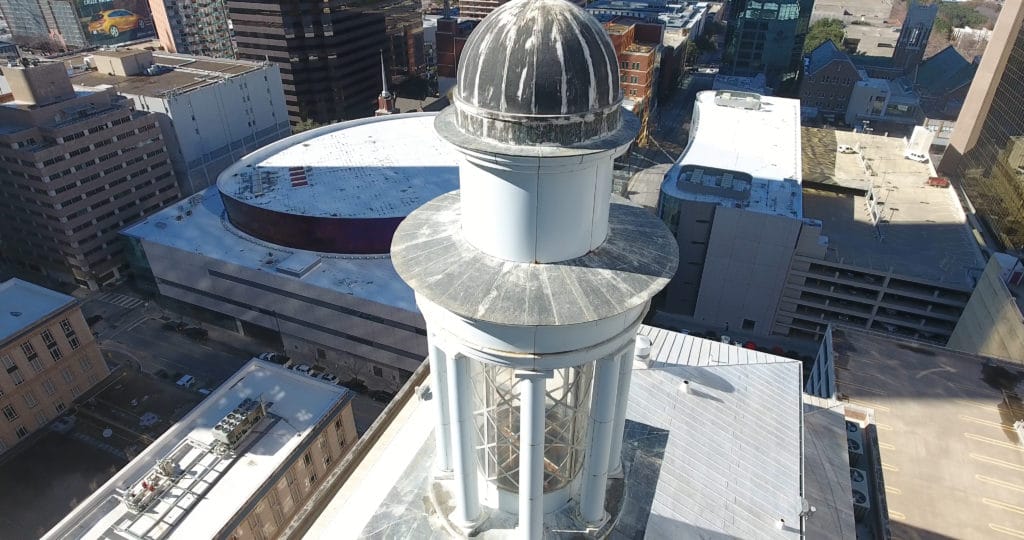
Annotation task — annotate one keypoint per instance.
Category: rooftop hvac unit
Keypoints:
(855, 443)
(861, 504)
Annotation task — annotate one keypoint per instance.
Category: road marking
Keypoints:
(869, 405)
(1003, 506)
(993, 442)
(936, 370)
(883, 427)
(893, 490)
(999, 462)
(890, 468)
(1006, 530)
(985, 422)
(897, 515)
(1000, 483)
(862, 387)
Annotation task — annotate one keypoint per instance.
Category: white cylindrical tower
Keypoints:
(531, 278)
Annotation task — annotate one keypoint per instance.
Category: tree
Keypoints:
(824, 30)
(959, 15)
(305, 125)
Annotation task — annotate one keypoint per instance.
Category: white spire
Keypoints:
(383, 76)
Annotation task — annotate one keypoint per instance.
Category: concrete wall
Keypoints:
(746, 265)
(355, 336)
(991, 323)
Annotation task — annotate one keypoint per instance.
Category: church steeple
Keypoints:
(386, 100)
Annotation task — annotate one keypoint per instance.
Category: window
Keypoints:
(312, 479)
(76, 390)
(748, 324)
(73, 341)
(17, 377)
(307, 459)
(30, 399)
(41, 418)
(28, 349)
(47, 337)
(321, 354)
(377, 371)
(636, 65)
(634, 80)
(55, 353)
(7, 362)
(65, 325)
(21, 432)
(2, 445)
(49, 388)
(10, 414)
(327, 460)
(67, 375)
(85, 362)
(59, 406)
(37, 366)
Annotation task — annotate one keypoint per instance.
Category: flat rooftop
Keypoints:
(299, 404)
(747, 150)
(952, 464)
(203, 228)
(374, 169)
(23, 304)
(721, 462)
(187, 73)
(922, 230)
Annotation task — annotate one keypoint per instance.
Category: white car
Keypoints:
(187, 381)
(330, 377)
(917, 156)
(302, 368)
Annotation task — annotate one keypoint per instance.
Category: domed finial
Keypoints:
(538, 72)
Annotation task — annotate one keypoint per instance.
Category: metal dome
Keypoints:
(538, 72)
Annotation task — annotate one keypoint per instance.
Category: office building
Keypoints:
(214, 111)
(957, 478)
(639, 52)
(328, 53)
(793, 229)
(914, 34)
(827, 83)
(78, 165)
(478, 9)
(199, 28)
(985, 152)
(48, 355)
(292, 245)
(766, 38)
(239, 465)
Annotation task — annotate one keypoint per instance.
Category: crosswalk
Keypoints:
(120, 300)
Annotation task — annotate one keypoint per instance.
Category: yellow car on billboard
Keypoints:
(113, 22)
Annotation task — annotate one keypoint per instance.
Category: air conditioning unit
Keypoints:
(861, 503)
(855, 443)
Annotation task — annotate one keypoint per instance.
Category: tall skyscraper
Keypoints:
(196, 27)
(914, 34)
(77, 166)
(328, 52)
(531, 280)
(986, 151)
(767, 38)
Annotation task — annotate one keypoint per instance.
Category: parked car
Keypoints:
(330, 377)
(274, 357)
(727, 340)
(302, 368)
(381, 395)
(315, 373)
(113, 22)
(186, 381)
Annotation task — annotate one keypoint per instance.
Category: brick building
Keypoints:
(828, 81)
(77, 166)
(48, 354)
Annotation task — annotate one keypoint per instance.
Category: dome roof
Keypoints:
(538, 72)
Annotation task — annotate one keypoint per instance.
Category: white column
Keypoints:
(460, 407)
(531, 454)
(439, 389)
(621, 400)
(595, 468)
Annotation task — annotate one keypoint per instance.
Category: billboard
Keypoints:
(108, 22)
